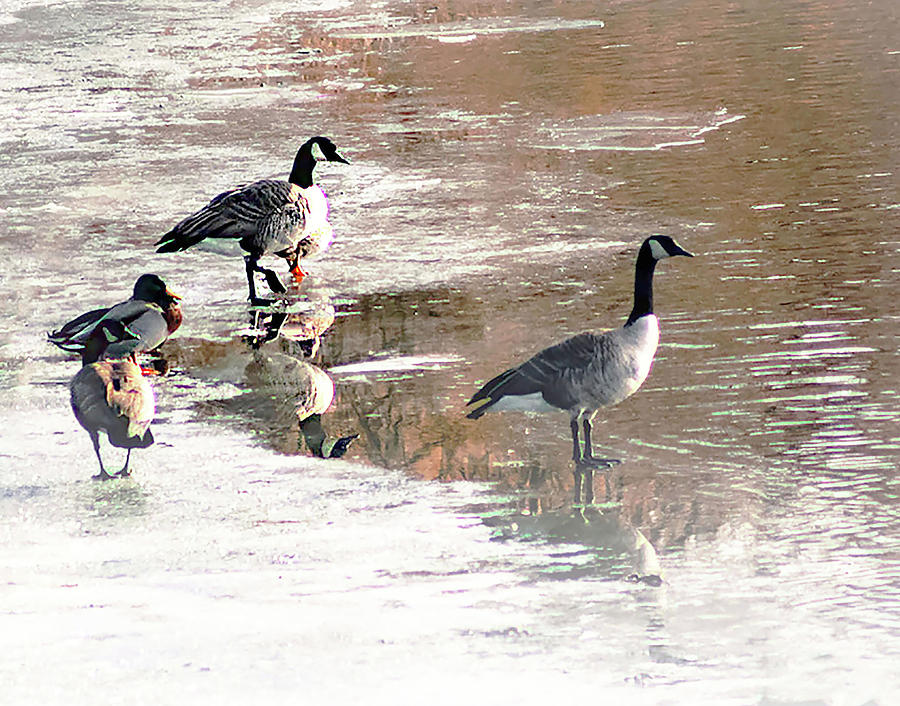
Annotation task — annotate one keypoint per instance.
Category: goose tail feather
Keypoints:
(490, 393)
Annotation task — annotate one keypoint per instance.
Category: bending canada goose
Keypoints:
(113, 396)
(284, 218)
(304, 389)
(589, 371)
(151, 315)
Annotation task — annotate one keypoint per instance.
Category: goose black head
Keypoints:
(151, 288)
(662, 246)
(314, 150)
(323, 150)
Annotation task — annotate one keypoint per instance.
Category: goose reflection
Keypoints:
(617, 548)
(284, 392)
(299, 329)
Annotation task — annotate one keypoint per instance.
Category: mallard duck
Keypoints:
(112, 396)
(284, 218)
(588, 371)
(151, 315)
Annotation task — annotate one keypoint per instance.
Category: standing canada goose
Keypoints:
(113, 396)
(588, 371)
(284, 218)
(151, 315)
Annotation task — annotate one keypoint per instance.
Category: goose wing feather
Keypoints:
(238, 213)
(543, 373)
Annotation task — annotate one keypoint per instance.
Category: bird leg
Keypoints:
(588, 474)
(124, 473)
(587, 458)
(578, 473)
(252, 263)
(576, 447)
(102, 475)
(585, 463)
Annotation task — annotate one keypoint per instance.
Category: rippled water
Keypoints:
(506, 160)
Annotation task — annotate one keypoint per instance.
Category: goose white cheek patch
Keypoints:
(657, 250)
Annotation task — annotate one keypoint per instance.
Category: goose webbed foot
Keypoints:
(593, 463)
(273, 281)
(586, 458)
(297, 272)
(252, 266)
(102, 475)
(584, 476)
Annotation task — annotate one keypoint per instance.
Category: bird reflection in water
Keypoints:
(297, 389)
(615, 548)
(300, 328)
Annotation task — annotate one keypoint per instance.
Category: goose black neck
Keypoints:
(643, 285)
(304, 163)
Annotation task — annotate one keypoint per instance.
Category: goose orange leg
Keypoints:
(298, 272)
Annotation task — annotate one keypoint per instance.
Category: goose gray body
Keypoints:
(580, 375)
(306, 388)
(113, 396)
(589, 371)
(288, 219)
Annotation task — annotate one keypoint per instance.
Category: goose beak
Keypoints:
(338, 158)
(681, 251)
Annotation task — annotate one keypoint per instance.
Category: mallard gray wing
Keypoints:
(65, 335)
(143, 320)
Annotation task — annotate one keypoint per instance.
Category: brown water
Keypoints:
(506, 161)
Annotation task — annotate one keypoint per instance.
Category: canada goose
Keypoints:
(151, 315)
(301, 389)
(588, 371)
(113, 396)
(285, 218)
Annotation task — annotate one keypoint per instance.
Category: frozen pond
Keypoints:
(506, 161)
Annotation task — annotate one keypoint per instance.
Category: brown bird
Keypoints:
(112, 396)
